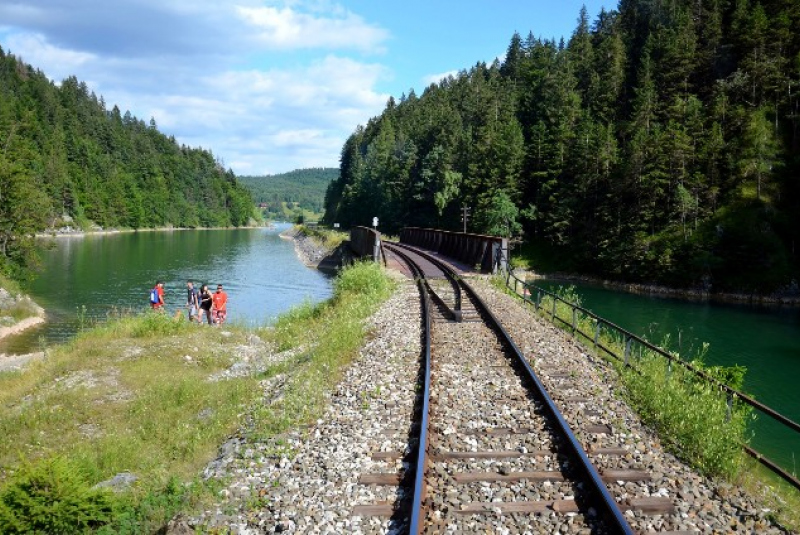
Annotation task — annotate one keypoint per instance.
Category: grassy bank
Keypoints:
(137, 396)
(691, 416)
(326, 238)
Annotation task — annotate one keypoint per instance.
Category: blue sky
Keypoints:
(268, 86)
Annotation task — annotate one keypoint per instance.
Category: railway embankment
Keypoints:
(321, 249)
(302, 411)
(309, 478)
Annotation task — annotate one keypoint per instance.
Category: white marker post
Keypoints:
(377, 246)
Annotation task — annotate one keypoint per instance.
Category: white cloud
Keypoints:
(238, 100)
(35, 50)
(436, 78)
(287, 28)
(285, 138)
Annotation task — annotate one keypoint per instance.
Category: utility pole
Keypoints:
(465, 216)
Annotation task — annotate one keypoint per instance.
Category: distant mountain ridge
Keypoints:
(304, 188)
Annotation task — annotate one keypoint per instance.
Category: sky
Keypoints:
(269, 85)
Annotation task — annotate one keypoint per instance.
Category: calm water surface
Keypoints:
(259, 270)
(766, 340)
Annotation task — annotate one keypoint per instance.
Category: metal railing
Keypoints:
(470, 249)
(534, 295)
(365, 241)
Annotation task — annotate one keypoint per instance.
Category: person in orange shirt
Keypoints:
(220, 302)
(158, 293)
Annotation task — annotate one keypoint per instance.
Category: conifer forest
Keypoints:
(65, 157)
(659, 143)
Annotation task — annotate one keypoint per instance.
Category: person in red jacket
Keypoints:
(158, 293)
(220, 305)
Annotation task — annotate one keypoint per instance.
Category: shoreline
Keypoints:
(18, 361)
(21, 325)
(101, 232)
(685, 294)
(310, 254)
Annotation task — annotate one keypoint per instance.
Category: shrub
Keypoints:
(690, 414)
(158, 324)
(363, 278)
(52, 497)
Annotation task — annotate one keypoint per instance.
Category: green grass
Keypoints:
(327, 238)
(133, 396)
(358, 291)
(690, 415)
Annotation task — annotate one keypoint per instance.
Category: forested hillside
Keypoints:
(304, 188)
(660, 143)
(63, 153)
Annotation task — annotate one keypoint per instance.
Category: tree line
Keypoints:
(65, 157)
(660, 143)
(303, 188)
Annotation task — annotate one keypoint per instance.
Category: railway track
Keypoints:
(497, 455)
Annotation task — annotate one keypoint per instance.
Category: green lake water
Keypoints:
(114, 272)
(766, 340)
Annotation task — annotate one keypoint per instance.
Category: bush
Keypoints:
(363, 278)
(52, 497)
(150, 512)
(158, 324)
(690, 414)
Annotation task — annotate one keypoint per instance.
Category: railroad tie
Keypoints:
(382, 479)
(384, 509)
(541, 476)
(611, 452)
(612, 476)
(658, 506)
(503, 454)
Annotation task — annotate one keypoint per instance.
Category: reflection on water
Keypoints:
(114, 272)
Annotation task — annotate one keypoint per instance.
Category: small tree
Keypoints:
(500, 215)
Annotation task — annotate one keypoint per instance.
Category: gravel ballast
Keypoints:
(307, 481)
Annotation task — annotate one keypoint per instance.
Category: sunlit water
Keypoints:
(114, 272)
(766, 340)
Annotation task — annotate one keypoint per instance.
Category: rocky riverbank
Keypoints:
(312, 253)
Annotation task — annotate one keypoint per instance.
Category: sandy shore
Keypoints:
(16, 362)
(685, 294)
(20, 326)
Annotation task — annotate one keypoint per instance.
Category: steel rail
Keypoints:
(613, 514)
(629, 336)
(454, 312)
(451, 276)
(416, 520)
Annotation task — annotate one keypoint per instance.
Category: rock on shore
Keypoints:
(311, 253)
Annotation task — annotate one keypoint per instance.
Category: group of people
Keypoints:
(200, 302)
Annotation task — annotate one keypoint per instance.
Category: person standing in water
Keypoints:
(220, 305)
(157, 297)
(193, 302)
(206, 301)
